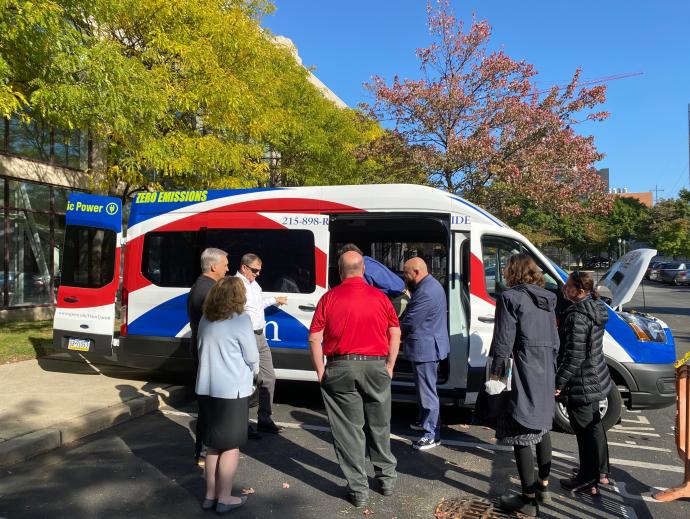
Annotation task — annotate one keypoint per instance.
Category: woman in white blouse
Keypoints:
(228, 361)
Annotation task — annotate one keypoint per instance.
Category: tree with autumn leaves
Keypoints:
(477, 126)
(198, 94)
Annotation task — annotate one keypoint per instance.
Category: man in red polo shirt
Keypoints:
(355, 326)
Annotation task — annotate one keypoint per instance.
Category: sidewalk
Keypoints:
(53, 401)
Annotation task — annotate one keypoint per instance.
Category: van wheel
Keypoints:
(610, 409)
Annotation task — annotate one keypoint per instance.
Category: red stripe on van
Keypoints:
(291, 205)
(321, 267)
(478, 281)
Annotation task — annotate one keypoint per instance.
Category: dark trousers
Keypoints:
(268, 380)
(200, 432)
(425, 376)
(592, 445)
(525, 462)
(357, 397)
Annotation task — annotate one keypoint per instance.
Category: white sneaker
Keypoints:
(425, 443)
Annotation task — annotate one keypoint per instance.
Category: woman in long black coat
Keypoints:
(526, 330)
(583, 377)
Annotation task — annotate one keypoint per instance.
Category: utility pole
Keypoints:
(656, 193)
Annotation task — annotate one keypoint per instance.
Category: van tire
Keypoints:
(614, 407)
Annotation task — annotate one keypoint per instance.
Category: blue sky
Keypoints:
(645, 139)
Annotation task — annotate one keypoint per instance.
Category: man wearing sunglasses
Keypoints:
(250, 269)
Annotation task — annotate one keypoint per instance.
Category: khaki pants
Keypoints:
(268, 381)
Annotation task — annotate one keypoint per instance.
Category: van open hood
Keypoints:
(625, 275)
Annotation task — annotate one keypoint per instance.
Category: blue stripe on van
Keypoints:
(479, 210)
(640, 351)
(290, 331)
(143, 211)
(562, 273)
(164, 320)
(167, 319)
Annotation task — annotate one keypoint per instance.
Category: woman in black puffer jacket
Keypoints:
(583, 377)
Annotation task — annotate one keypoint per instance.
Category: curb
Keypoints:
(27, 446)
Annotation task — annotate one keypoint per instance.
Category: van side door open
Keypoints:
(85, 311)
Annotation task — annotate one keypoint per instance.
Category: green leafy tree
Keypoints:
(627, 221)
(669, 225)
(175, 94)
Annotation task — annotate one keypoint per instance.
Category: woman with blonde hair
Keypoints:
(228, 362)
(525, 331)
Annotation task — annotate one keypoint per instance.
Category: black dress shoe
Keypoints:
(270, 427)
(521, 504)
(357, 500)
(252, 434)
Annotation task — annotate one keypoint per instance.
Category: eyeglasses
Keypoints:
(254, 270)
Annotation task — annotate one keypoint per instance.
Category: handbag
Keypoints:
(488, 407)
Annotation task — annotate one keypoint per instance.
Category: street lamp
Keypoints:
(619, 247)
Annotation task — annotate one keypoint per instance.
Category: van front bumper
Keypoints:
(655, 385)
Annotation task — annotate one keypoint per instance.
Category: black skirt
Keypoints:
(226, 421)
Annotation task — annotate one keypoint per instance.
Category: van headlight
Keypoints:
(645, 328)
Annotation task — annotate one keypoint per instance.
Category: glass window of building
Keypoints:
(29, 195)
(30, 264)
(35, 216)
(31, 140)
(39, 141)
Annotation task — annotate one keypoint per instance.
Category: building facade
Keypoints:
(39, 167)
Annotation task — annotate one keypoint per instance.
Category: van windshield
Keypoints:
(89, 257)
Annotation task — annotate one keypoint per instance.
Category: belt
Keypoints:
(356, 357)
(258, 332)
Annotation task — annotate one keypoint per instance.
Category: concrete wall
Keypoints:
(23, 169)
(36, 313)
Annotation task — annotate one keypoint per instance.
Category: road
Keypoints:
(144, 468)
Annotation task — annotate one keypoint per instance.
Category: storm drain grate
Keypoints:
(464, 508)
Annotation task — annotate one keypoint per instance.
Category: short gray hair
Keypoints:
(249, 258)
(210, 257)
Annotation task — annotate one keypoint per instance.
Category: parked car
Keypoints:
(653, 268)
(597, 262)
(681, 278)
(668, 271)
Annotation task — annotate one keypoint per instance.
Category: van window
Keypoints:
(287, 256)
(394, 255)
(495, 252)
(88, 260)
(171, 259)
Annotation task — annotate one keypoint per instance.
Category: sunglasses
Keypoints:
(254, 270)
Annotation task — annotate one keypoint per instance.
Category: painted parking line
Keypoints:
(478, 445)
(633, 445)
(636, 431)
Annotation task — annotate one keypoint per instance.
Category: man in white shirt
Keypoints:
(250, 268)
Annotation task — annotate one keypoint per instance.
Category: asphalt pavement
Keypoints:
(145, 467)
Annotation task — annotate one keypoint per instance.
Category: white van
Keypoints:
(296, 232)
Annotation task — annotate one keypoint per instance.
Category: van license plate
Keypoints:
(78, 344)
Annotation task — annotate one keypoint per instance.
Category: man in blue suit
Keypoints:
(425, 338)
